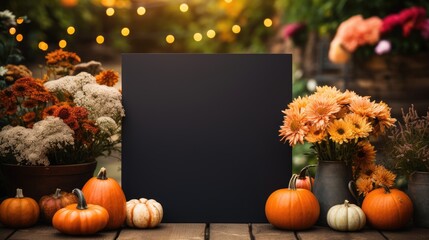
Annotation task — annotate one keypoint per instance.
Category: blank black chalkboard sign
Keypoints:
(201, 133)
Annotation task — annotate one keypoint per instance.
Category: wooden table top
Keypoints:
(216, 231)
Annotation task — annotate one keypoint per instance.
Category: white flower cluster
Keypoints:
(7, 18)
(107, 125)
(32, 145)
(70, 84)
(101, 101)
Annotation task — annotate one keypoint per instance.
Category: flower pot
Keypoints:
(37, 181)
(331, 186)
(418, 188)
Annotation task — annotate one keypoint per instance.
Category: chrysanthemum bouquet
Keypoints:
(67, 120)
(339, 125)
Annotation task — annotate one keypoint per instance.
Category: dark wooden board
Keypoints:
(165, 231)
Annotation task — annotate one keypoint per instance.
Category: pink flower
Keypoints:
(424, 27)
(411, 18)
(291, 29)
(383, 47)
(390, 22)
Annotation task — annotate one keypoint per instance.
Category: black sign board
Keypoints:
(201, 133)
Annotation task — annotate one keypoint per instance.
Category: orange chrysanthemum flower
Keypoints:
(320, 110)
(361, 127)
(383, 118)
(49, 111)
(315, 135)
(62, 58)
(31, 103)
(365, 157)
(294, 128)
(298, 103)
(90, 126)
(65, 113)
(364, 185)
(383, 177)
(362, 106)
(340, 131)
(107, 77)
(80, 113)
(28, 117)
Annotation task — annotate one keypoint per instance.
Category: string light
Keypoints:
(198, 37)
(43, 46)
(141, 11)
(125, 31)
(19, 20)
(12, 31)
(71, 30)
(99, 39)
(236, 29)
(211, 33)
(169, 39)
(62, 43)
(268, 22)
(19, 37)
(184, 7)
(110, 11)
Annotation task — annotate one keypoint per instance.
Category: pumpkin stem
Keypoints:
(102, 174)
(346, 203)
(57, 193)
(19, 193)
(386, 188)
(81, 202)
(305, 170)
(292, 182)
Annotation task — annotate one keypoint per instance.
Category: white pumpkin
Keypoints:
(346, 217)
(143, 213)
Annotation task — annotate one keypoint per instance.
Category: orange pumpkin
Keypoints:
(19, 212)
(50, 204)
(292, 208)
(304, 181)
(80, 218)
(107, 193)
(387, 209)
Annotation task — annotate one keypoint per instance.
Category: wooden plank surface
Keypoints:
(325, 233)
(5, 232)
(408, 234)
(46, 232)
(220, 231)
(166, 231)
(264, 231)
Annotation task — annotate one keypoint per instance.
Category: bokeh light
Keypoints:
(211, 33)
(236, 29)
(12, 31)
(198, 37)
(169, 39)
(125, 31)
(99, 39)
(62, 43)
(141, 11)
(71, 30)
(43, 46)
(268, 22)
(184, 7)
(19, 37)
(110, 12)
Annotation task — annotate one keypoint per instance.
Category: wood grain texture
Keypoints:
(229, 231)
(324, 233)
(5, 232)
(267, 232)
(46, 232)
(166, 231)
(408, 234)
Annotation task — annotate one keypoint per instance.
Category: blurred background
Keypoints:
(101, 30)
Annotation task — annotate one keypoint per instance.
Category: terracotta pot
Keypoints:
(418, 188)
(37, 181)
(331, 186)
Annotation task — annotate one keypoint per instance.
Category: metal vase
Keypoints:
(418, 189)
(331, 186)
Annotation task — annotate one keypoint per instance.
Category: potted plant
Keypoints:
(53, 129)
(407, 151)
(339, 126)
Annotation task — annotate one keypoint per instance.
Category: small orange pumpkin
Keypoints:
(107, 193)
(19, 212)
(50, 204)
(304, 181)
(387, 209)
(292, 208)
(80, 218)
